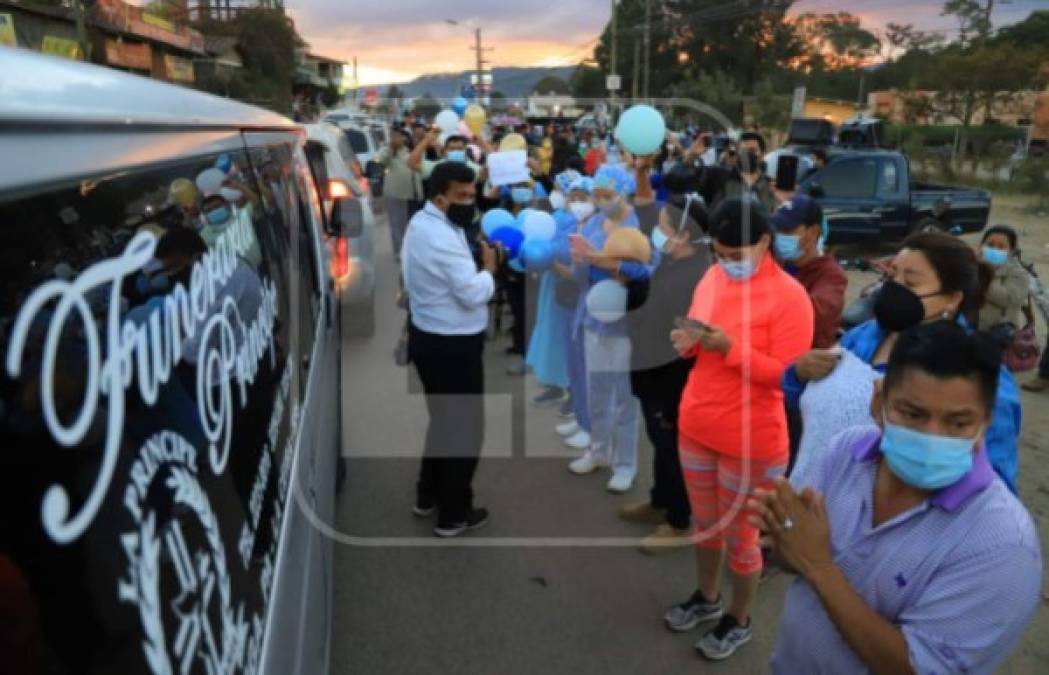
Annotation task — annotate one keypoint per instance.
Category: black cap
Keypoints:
(739, 222)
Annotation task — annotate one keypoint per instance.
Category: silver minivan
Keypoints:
(169, 396)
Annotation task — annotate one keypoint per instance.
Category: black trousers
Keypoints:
(516, 289)
(659, 390)
(451, 369)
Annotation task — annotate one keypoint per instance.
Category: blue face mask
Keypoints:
(995, 256)
(788, 246)
(926, 461)
(521, 195)
(218, 216)
(741, 270)
(659, 239)
(456, 156)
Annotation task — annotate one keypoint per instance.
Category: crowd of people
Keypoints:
(686, 295)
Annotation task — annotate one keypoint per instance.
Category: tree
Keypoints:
(1031, 33)
(266, 40)
(768, 110)
(745, 43)
(903, 38)
(836, 41)
(427, 106)
(974, 17)
(587, 82)
(717, 90)
(551, 84)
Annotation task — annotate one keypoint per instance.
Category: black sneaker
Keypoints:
(476, 519)
(566, 410)
(694, 611)
(424, 507)
(725, 639)
(550, 397)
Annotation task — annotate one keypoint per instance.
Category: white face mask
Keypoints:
(581, 210)
(557, 200)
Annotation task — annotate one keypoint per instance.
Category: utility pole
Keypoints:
(480, 86)
(356, 85)
(613, 66)
(81, 29)
(648, 52)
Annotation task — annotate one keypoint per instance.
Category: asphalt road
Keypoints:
(568, 593)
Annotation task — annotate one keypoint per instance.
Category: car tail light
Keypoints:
(338, 189)
(340, 264)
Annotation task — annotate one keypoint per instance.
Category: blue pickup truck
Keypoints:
(871, 195)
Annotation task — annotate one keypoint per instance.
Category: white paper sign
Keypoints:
(507, 168)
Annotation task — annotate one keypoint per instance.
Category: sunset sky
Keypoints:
(397, 40)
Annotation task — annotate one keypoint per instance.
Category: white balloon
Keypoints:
(539, 226)
(447, 121)
(209, 181)
(606, 301)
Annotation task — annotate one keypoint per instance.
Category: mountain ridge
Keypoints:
(514, 82)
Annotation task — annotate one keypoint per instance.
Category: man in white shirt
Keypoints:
(448, 302)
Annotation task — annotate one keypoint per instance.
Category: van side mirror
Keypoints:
(347, 218)
(816, 190)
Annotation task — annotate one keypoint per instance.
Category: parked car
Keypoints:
(353, 256)
(871, 194)
(170, 397)
(366, 143)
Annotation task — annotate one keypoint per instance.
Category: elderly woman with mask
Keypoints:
(612, 407)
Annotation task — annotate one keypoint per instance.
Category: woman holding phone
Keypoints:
(748, 321)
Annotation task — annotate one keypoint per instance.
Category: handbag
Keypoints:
(1023, 351)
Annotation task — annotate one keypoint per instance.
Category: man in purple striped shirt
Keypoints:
(912, 555)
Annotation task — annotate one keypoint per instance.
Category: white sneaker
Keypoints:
(580, 440)
(620, 482)
(568, 428)
(588, 463)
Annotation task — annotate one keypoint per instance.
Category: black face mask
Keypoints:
(462, 215)
(898, 308)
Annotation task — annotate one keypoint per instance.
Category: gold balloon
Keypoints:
(513, 142)
(475, 118)
(627, 243)
(184, 193)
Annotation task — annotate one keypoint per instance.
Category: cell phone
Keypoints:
(690, 324)
(787, 173)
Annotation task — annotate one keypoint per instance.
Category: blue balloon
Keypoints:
(537, 254)
(522, 217)
(224, 163)
(459, 105)
(566, 222)
(510, 238)
(496, 218)
(641, 130)
(606, 301)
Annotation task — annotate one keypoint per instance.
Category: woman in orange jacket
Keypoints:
(749, 320)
